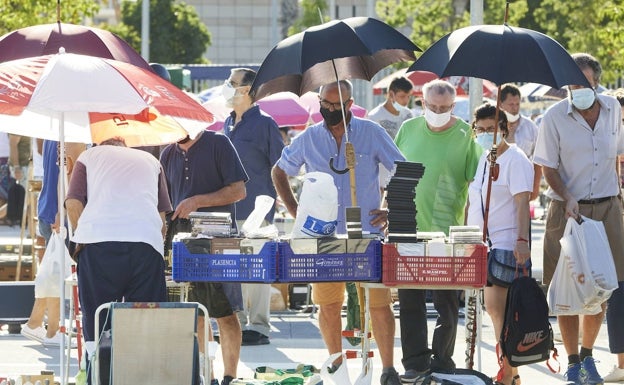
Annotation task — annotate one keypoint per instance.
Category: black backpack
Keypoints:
(526, 336)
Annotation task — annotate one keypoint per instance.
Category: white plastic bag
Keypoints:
(340, 376)
(318, 207)
(585, 275)
(48, 279)
(252, 226)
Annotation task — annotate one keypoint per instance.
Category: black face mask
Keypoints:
(332, 118)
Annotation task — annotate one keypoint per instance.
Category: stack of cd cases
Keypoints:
(213, 224)
(400, 195)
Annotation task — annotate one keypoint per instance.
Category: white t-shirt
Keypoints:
(526, 136)
(515, 176)
(122, 197)
(390, 122)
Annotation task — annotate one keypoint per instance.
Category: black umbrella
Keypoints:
(353, 48)
(501, 54)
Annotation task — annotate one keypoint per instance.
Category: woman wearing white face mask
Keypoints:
(508, 218)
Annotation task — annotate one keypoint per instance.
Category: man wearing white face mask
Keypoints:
(259, 144)
(393, 112)
(577, 146)
(444, 144)
(522, 130)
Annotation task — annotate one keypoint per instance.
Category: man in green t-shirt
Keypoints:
(444, 144)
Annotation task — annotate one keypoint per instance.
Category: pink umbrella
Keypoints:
(311, 101)
(284, 107)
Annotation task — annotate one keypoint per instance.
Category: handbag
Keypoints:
(502, 268)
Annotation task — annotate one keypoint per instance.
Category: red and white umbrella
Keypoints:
(95, 99)
(69, 97)
(419, 78)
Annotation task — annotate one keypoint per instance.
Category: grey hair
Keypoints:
(440, 87)
(345, 84)
(585, 61)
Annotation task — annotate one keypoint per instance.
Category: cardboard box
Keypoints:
(42, 378)
(8, 272)
(304, 245)
(252, 245)
(225, 246)
(357, 246)
(332, 246)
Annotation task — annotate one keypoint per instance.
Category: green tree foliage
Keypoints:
(592, 26)
(309, 15)
(177, 35)
(15, 14)
(588, 26)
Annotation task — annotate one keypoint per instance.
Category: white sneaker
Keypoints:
(55, 342)
(616, 375)
(36, 334)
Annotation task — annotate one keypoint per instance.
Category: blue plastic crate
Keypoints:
(342, 267)
(188, 267)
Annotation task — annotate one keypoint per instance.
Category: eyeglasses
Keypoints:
(439, 109)
(333, 106)
(481, 129)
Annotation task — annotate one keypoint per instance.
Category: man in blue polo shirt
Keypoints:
(258, 141)
(206, 174)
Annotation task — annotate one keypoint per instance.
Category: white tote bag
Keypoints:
(48, 279)
(585, 275)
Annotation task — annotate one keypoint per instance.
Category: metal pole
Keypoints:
(145, 30)
(476, 85)
(274, 13)
(370, 12)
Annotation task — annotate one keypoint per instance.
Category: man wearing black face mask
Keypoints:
(373, 147)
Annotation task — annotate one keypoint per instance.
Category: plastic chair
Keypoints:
(151, 343)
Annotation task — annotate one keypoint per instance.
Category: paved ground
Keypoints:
(295, 338)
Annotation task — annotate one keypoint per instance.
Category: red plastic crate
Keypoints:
(469, 270)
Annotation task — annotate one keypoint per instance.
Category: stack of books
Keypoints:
(400, 195)
(211, 224)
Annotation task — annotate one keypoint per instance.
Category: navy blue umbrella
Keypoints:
(353, 48)
(501, 54)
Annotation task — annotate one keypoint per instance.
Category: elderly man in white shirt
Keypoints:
(578, 145)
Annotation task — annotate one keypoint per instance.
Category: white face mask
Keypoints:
(396, 105)
(228, 93)
(511, 118)
(583, 98)
(485, 140)
(437, 120)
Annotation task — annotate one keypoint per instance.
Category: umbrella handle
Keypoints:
(334, 169)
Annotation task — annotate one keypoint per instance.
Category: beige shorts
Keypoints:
(609, 212)
(327, 293)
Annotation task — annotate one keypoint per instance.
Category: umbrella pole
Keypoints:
(353, 214)
(61, 250)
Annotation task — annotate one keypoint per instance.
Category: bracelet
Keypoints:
(522, 240)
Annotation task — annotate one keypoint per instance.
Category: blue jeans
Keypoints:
(615, 314)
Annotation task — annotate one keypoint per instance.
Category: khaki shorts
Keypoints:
(327, 293)
(609, 212)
